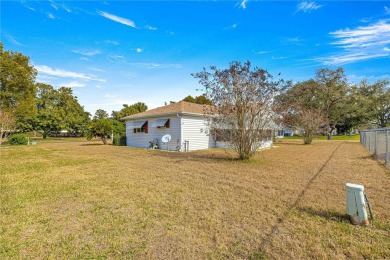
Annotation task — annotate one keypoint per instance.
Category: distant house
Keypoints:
(285, 131)
(185, 122)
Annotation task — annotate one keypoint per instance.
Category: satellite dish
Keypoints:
(166, 138)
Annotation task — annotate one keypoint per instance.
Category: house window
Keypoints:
(140, 127)
(161, 123)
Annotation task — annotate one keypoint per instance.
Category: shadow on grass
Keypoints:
(288, 143)
(93, 144)
(200, 156)
(326, 214)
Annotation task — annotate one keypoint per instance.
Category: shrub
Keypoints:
(119, 140)
(18, 139)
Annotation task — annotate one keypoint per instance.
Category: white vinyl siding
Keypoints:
(195, 131)
(264, 144)
(142, 139)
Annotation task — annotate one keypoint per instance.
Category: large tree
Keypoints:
(331, 94)
(201, 99)
(299, 109)
(59, 110)
(75, 119)
(17, 88)
(49, 118)
(100, 128)
(100, 114)
(129, 110)
(242, 115)
(376, 99)
(119, 127)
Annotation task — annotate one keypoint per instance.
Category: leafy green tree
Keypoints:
(100, 128)
(75, 119)
(299, 109)
(129, 110)
(49, 118)
(376, 101)
(17, 88)
(59, 110)
(189, 98)
(202, 100)
(331, 93)
(140, 107)
(100, 114)
(118, 127)
(356, 111)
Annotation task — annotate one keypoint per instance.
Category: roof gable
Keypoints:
(179, 107)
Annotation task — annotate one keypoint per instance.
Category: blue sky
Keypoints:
(121, 52)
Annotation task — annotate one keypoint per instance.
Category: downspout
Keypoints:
(181, 129)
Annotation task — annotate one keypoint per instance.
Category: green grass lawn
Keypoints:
(85, 200)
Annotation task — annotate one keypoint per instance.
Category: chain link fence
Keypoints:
(377, 141)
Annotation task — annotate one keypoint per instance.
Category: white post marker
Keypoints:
(356, 206)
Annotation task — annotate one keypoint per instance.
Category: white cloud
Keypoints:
(150, 27)
(278, 57)
(361, 43)
(29, 7)
(387, 10)
(115, 43)
(64, 73)
(139, 50)
(109, 96)
(363, 36)
(54, 6)
(87, 53)
(85, 59)
(116, 58)
(307, 7)
(117, 19)
(12, 40)
(155, 65)
(243, 4)
(51, 16)
(73, 84)
(96, 69)
(349, 58)
(231, 27)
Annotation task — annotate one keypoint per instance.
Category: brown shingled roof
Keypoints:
(179, 107)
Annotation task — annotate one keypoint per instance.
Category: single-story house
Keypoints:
(185, 122)
(285, 131)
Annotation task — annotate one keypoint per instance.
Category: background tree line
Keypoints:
(322, 104)
(329, 102)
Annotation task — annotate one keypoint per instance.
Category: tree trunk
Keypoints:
(307, 139)
(44, 135)
(330, 133)
(104, 139)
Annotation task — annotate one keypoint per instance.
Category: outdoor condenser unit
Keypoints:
(356, 206)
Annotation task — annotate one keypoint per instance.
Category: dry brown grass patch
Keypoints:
(72, 200)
